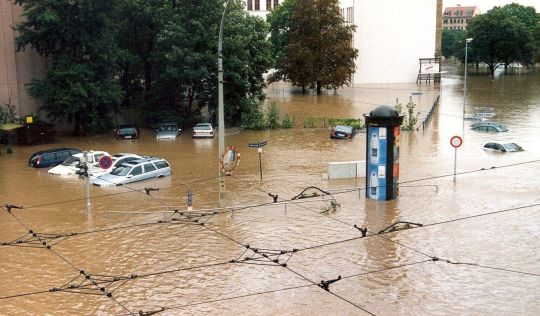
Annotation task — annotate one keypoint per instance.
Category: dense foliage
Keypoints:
(504, 35)
(450, 39)
(153, 55)
(319, 52)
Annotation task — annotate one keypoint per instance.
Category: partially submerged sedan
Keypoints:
(133, 171)
(342, 132)
(71, 165)
(168, 131)
(489, 127)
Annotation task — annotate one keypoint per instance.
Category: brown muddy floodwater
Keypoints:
(130, 246)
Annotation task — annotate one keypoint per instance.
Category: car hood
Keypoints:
(62, 170)
(107, 180)
(166, 134)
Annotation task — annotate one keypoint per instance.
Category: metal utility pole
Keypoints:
(221, 115)
(467, 41)
(87, 180)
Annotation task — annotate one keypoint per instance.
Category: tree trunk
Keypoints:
(319, 89)
(492, 70)
(303, 89)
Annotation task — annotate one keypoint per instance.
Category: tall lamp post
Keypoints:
(467, 41)
(221, 115)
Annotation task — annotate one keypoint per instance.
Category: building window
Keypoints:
(249, 5)
(257, 5)
(268, 5)
(276, 3)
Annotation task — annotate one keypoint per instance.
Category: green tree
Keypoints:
(504, 35)
(78, 37)
(279, 29)
(319, 52)
(449, 40)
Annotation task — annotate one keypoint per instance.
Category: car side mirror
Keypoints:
(129, 176)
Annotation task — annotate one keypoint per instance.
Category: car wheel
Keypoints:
(160, 176)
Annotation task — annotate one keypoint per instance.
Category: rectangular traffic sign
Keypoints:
(254, 145)
(261, 144)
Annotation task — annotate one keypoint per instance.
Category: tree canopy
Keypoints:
(504, 35)
(319, 51)
(153, 55)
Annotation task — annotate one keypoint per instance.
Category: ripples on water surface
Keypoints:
(295, 159)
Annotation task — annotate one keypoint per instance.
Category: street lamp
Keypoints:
(221, 115)
(467, 41)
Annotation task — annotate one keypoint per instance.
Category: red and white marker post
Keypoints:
(456, 142)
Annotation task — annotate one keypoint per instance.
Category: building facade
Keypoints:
(261, 8)
(17, 69)
(457, 18)
(389, 42)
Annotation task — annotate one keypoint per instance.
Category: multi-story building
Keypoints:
(457, 18)
(261, 7)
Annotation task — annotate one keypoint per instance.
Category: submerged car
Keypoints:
(133, 171)
(168, 131)
(127, 131)
(342, 132)
(51, 157)
(508, 147)
(203, 130)
(71, 165)
(489, 127)
(117, 159)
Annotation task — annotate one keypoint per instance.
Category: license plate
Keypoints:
(128, 136)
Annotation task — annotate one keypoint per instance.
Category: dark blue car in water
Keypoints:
(51, 157)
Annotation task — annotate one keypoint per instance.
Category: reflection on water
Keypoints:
(292, 160)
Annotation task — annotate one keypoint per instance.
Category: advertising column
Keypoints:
(382, 153)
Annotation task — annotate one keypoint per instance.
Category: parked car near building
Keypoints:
(51, 157)
(71, 165)
(203, 130)
(127, 131)
(342, 132)
(117, 159)
(508, 147)
(489, 127)
(168, 131)
(133, 171)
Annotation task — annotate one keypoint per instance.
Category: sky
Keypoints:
(485, 5)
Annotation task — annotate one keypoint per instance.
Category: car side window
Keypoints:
(161, 164)
(97, 156)
(48, 157)
(149, 167)
(64, 155)
(136, 171)
(490, 145)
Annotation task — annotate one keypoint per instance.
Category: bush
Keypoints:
(288, 122)
(352, 122)
(253, 118)
(272, 116)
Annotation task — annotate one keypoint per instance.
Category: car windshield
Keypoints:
(168, 128)
(71, 161)
(121, 170)
(202, 127)
(126, 130)
(345, 129)
(512, 147)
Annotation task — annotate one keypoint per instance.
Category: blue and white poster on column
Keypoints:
(377, 159)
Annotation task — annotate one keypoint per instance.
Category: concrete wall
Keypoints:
(16, 68)
(391, 36)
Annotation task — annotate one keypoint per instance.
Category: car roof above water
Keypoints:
(46, 151)
(136, 162)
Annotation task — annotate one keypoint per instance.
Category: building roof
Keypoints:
(465, 11)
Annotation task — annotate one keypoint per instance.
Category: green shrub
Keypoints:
(352, 122)
(253, 118)
(272, 116)
(288, 122)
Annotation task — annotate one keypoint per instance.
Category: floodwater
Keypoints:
(129, 245)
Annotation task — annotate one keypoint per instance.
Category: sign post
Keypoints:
(87, 180)
(456, 142)
(259, 146)
(190, 201)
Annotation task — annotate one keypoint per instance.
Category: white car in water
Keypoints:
(71, 165)
(117, 159)
(133, 171)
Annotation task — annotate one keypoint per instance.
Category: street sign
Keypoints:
(105, 162)
(259, 144)
(456, 141)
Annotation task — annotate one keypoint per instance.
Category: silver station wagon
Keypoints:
(133, 171)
